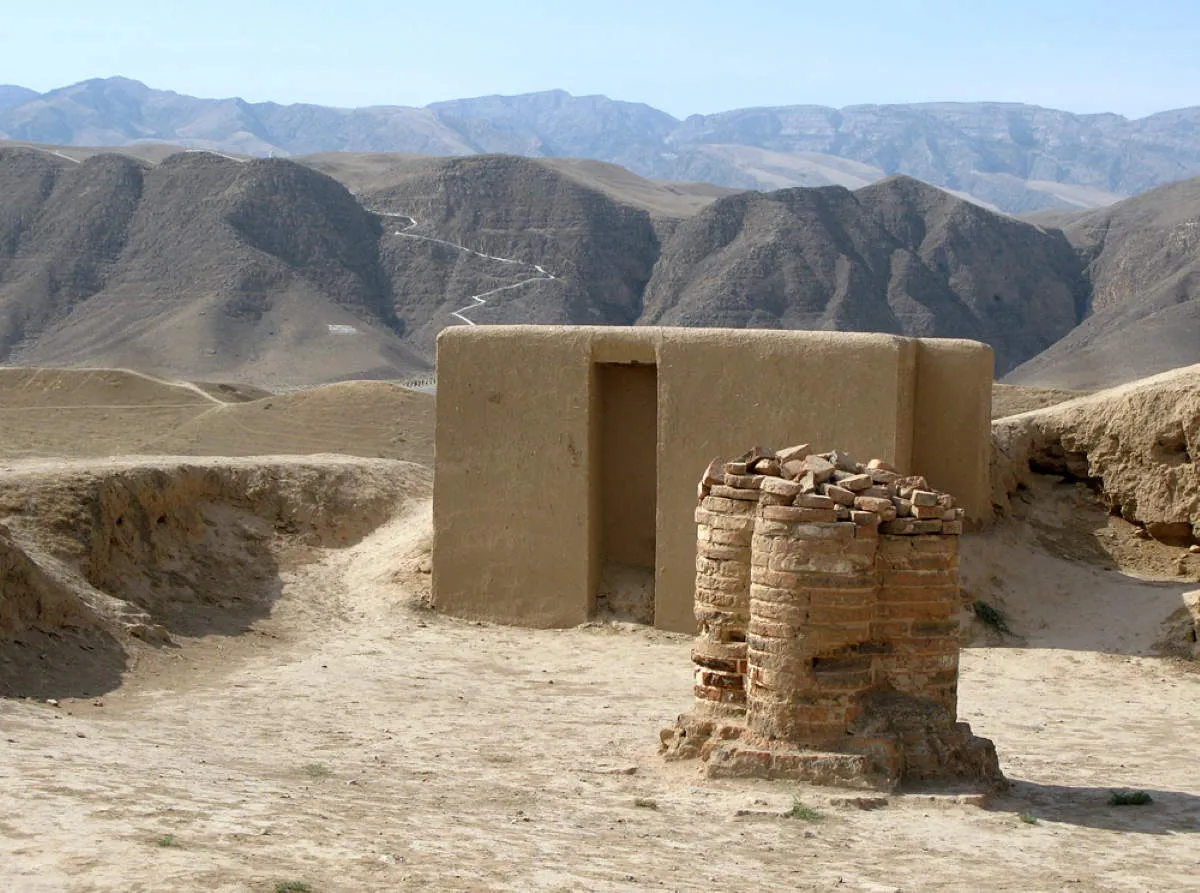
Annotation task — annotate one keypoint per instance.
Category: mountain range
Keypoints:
(1011, 157)
(289, 272)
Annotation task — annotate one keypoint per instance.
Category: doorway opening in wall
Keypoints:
(627, 479)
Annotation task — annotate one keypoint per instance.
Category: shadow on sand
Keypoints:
(1169, 812)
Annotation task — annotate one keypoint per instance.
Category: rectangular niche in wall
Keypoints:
(626, 417)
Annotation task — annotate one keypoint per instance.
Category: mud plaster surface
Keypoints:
(354, 741)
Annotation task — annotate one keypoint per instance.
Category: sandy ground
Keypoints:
(96, 413)
(354, 740)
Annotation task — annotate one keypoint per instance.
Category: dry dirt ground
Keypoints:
(349, 738)
(106, 412)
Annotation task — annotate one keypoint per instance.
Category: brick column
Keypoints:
(725, 526)
(917, 613)
(812, 598)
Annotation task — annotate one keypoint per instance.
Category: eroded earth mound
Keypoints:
(1136, 444)
(95, 554)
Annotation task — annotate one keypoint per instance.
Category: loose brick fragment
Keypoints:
(780, 487)
(798, 453)
(814, 501)
(769, 466)
(840, 495)
(821, 469)
(796, 513)
(883, 476)
(714, 474)
(843, 461)
(873, 504)
(856, 482)
(734, 493)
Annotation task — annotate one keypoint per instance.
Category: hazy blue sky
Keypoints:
(683, 57)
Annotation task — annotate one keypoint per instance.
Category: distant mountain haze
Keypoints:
(1012, 157)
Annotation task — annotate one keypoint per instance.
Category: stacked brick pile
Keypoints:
(826, 607)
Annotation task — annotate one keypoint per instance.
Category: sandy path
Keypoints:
(356, 742)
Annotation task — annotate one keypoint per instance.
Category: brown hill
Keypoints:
(1143, 261)
(95, 413)
(200, 266)
(549, 248)
(898, 256)
(363, 172)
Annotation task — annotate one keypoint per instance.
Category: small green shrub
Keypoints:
(1028, 818)
(317, 770)
(168, 840)
(802, 812)
(1129, 798)
(293, 887)
(645, 803)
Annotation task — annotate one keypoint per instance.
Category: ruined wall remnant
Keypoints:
(827, 603)
(617, 420)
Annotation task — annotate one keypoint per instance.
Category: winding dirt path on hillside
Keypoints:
(479, 300)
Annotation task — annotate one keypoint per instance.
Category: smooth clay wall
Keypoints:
(518, 510)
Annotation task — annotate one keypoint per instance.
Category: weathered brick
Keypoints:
(813, 501)
(856, 482)
(876, 504)
(727, 506)
(781, 612)
(780, 487)
(840, 495)
(730, 537)
(821, 469)
(796, 514)
(741, 523)
(838, 614)
(922, 611)
(734, 493)
(720, 584)
(906, 578)
(770, 628)
(709, 599)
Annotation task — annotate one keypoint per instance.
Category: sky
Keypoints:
(685, 58)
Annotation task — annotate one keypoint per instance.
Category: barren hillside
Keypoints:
(1143, 263)
(200, 267)
(898, 256)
